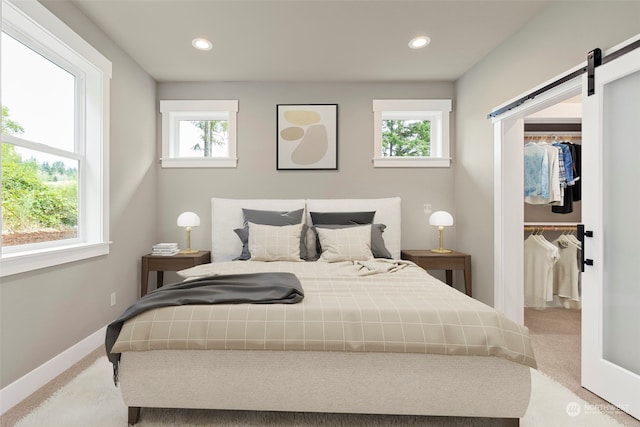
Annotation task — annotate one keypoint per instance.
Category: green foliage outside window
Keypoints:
(35, 196)
(214, 132)
(9, 126)
(406, 138)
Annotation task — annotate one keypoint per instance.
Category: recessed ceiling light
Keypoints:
(419, 42)
(202, 44)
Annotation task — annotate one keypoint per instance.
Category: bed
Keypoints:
(372, 335)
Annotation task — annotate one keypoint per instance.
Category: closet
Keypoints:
(609, 355)
(552, 206)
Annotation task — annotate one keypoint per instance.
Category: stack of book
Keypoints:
(165, 249)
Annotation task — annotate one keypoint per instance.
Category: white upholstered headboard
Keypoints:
(226, 215)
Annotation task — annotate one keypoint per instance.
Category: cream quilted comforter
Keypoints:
(376, 306)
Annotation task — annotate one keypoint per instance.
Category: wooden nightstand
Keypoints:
(161, 264)
(449, 261)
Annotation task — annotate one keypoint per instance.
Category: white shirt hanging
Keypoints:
(540, 257)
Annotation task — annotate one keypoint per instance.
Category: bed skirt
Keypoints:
(340, 382)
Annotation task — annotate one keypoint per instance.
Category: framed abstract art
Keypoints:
(307, 136)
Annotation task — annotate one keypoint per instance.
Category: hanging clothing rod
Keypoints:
(550, 228)
(594, 59)
(559, 135)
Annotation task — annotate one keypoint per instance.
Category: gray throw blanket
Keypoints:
(253, 288)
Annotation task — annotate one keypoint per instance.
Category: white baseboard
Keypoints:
(23, 387)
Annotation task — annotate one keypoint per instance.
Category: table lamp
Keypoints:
(188, 220)
(441, 219)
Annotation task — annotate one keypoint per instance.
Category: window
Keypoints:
(199, 133)
(411, 132)
(54, 89)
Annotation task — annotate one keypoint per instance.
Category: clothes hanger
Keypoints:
(543, 240)
(569, 237)
(575, 239)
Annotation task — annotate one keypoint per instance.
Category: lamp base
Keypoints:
(441, 251)
(188, 251)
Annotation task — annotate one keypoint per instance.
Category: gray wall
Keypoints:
(555, 41)
(256, 175)
(47, 311)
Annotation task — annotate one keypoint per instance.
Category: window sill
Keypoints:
(21, 262)
(225, 162)
(411, 162)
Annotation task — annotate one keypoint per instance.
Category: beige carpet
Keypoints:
(556, 339)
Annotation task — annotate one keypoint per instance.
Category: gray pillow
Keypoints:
(342, 218)
(269, 218)
(243, 235)
(272, 217)
(378, 247)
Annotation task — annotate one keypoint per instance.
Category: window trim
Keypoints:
(440, 109)
(48, 35)
(174, 111)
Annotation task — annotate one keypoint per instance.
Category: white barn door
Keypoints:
(611, 209)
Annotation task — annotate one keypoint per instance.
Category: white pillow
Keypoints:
(345, 244)
(274, 243)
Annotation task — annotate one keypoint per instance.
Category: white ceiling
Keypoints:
(308, 40)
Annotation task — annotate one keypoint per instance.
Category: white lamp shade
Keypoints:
(441, 218)
(188, 219)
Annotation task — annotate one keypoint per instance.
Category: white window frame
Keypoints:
(435, 110)
(41, 30)
(175, 111)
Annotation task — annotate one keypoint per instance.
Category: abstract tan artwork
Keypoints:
(307, 136)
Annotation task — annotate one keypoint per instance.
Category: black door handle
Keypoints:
(581, 235)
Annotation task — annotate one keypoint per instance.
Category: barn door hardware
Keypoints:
(582, 233)
(594, 59)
